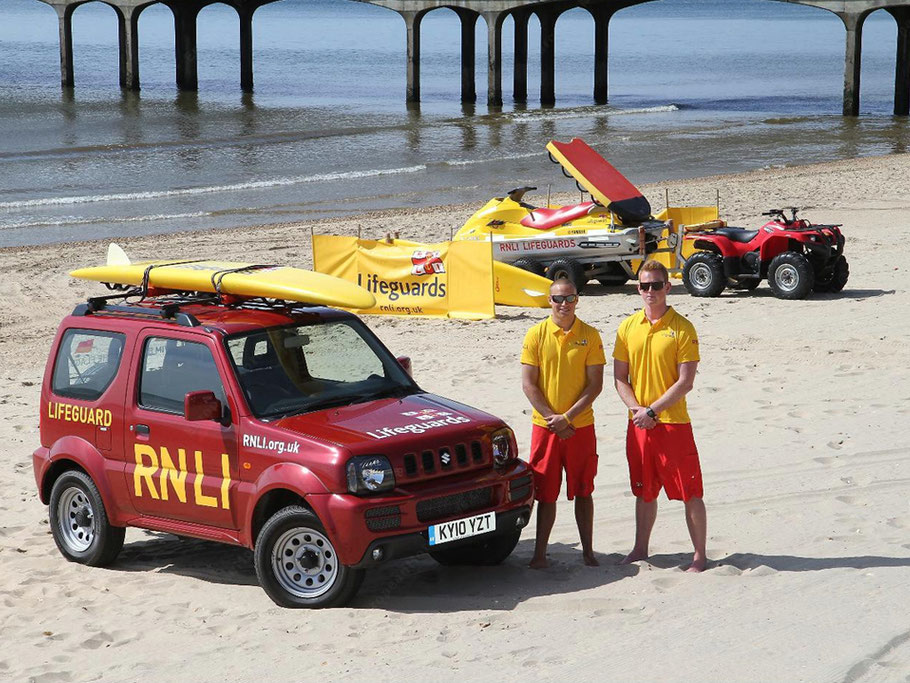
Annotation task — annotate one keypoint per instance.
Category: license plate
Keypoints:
(462, 528)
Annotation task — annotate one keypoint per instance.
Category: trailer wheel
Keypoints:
(703, 274)
(530, 265)
(568, 269)
(791, 276)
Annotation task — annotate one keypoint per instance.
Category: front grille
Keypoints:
(384, 518)
(443, 459)
(456, 504)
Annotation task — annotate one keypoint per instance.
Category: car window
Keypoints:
(87, 362)
(171, 368)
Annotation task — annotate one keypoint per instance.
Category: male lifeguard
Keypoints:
(654, 362)
(561, 374)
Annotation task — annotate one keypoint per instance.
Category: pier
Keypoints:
(853, 13)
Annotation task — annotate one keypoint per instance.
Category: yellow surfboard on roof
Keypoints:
(230, 277)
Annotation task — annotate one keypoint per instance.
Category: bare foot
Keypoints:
(539, 563)
(634, 556)
(590, 560)
(698, 565)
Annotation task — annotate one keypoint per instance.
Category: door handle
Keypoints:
(142, 430)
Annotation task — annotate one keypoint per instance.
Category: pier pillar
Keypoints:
(185, 44)
(412, 22)
(602, 16)
(852, 61)
(128, 24)
(494, 57)
(520, 67)
(245, 15)
(547, 57)
(468, 25)
(902, 62)
(65, 21)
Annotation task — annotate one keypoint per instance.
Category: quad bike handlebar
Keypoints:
(781, 214)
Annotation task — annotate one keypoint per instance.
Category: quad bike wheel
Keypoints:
(615, 277)
(836, 278)
(79, 521)
(297, 565)
(530, 265)
(703, 274)
(791, 276)
(487, 552)
(569, 269)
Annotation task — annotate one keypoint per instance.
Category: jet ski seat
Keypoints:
(546, 219)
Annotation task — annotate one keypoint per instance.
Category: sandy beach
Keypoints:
(801, 412)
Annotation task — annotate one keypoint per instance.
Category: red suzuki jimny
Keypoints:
(287, 429)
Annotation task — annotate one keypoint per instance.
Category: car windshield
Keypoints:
(301, 368)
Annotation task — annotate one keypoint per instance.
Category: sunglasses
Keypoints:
(563, 298)
(656, 286)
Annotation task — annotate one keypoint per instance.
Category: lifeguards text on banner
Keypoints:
(449, 279)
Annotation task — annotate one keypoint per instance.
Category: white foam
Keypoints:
(81, 220)
(589, 112)
(471, 162)
(253, 185)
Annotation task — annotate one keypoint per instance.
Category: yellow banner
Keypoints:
(445, 280)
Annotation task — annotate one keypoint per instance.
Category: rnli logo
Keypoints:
(426, 262)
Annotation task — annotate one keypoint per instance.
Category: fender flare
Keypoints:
(285, 476)
(82, 453)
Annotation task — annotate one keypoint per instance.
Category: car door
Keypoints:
(179, 469)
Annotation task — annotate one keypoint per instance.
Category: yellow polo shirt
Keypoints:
(654, 353)
(562, 358)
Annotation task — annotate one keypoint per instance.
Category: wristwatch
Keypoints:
(650, 413)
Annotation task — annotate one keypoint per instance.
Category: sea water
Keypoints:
(697, 87)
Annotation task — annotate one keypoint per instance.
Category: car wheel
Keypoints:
(790, 276)
(703, 274)
(836, 278)
(614, 277)
(530, 265)
(568, 269)
(79, 521)
(487, 552)
(297, 565)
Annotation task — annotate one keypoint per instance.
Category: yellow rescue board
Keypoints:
(272, 282)
(511, 286)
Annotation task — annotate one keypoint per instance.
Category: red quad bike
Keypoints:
(795, 256)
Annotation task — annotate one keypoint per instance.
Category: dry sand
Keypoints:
(802, 416)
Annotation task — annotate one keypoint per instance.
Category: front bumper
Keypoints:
(393, 547)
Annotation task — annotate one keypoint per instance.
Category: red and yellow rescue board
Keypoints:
(234, 278)
(598, 176)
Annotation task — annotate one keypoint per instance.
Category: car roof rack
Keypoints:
(167, 306)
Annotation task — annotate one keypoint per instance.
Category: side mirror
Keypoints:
(405, 362)
(201, 405)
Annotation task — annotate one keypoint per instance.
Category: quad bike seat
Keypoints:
(545, 219)
(737, 234)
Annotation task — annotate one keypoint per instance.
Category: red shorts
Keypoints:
(664, 456)
(550, 455)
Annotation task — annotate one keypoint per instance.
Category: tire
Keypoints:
(297, 565)
(703, 274)
(616, 277)
(488, 552)
(836, 279)
(571, 270)
(791, 276)
(530, 265)
(79, 521)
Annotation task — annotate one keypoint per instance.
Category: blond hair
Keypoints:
(649, 266)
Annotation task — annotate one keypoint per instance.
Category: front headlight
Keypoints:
(370, 474)
(503, 447)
